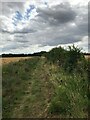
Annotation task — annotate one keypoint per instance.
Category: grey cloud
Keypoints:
(57, 14)
(13, 46)
(22, 31)
(9, 47)
(21, 38)
(83, 27)
(10, 7)
(60, 34)
(63, 40)
(89, 19)
(25, 31)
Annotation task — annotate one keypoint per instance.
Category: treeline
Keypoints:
(23, 55)
(86, 53)
(34, 54)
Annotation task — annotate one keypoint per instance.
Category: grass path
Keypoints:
(37, 94)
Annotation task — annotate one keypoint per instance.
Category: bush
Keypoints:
(68, 59)
(74, 55)
(56, 55)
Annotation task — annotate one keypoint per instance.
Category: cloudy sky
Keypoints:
(38, 25)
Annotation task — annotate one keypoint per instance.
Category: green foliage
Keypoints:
(70, 99)
(68, 59)
(73, 57)
(56, 55)
(60, 104)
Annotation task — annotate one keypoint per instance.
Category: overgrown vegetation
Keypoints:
(52, 86)
(68, 59)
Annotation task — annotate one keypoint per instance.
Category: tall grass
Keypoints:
(71, 95)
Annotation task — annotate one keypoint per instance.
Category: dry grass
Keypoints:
(87, 57)
(12, 59)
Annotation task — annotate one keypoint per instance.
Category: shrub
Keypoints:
(56, 55)
(73, 57)
(68, 59)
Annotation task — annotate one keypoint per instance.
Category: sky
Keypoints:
(28, 26)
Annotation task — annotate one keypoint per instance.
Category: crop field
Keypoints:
(87, 57)
(12, 59)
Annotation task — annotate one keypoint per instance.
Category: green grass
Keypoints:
(38, 88)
